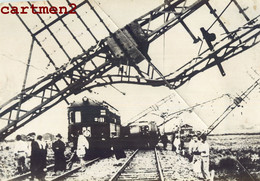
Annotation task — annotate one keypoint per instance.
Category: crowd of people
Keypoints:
(31, 154)
(34, 152)
(197, 153)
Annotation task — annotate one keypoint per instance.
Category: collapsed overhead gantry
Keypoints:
(237, 101)
(123, 50)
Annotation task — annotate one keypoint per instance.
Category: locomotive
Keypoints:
(101, 119)
(142, 134)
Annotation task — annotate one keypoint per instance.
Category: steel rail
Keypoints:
(70, 172)
(27, 174)
(122, 168)
(158, 164)
(50, 167)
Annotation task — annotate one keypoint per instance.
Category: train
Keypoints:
(106, 132)
(142, 134)
(101, 119)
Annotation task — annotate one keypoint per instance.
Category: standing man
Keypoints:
(164, 140)
(21, 152)
(117, 146)
(204, 150)
(34, 147)
(59, 158)
(82, 146)
(173, 139)
(41, 157)
(177, 143)
(196, 157)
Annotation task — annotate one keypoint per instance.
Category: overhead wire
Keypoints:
(189, 109)
(22, 62)
(219, 16)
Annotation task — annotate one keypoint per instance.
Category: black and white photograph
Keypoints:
(149, 90)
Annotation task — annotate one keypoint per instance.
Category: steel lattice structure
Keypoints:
(121, 57)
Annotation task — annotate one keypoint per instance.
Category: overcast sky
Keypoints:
(178, 49)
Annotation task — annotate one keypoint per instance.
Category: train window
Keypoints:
(112, 127)
(77, 117)
(117, 130)
(146, 128)
(134, 129)
(113, 130)
(71, 117)
(114, 120)
(100, 120)
(102, 112)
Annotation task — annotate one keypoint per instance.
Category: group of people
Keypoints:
(176, 142)
(199, 156)
(34, 154)
(198, 153)
(35, 151)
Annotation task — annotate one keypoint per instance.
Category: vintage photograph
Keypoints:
(130, 90)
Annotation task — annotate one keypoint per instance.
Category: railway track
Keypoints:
(147, 165)
(49, 177)
(176, 167)
(141, 165)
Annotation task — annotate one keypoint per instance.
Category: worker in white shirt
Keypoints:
(21, 153)
(204, 150)
(196, 157)
(177, 143)
(82, 146)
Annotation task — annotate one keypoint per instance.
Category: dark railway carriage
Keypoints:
(101, 119)
(142, 134)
